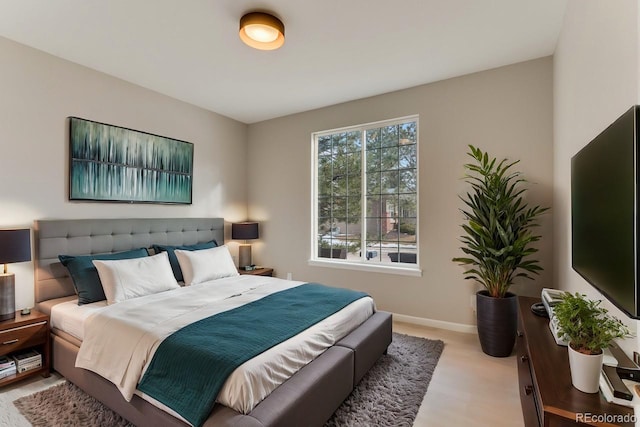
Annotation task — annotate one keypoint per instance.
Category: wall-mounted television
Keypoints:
(604, 213)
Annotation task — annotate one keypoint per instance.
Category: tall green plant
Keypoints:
(498, 225)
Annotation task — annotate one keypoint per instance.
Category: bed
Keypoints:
(308, 397)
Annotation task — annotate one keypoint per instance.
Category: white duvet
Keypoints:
(119, 340)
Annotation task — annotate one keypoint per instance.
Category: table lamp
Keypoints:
(244, 231)
(15, 246)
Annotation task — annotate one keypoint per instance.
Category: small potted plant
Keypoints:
(589, 329)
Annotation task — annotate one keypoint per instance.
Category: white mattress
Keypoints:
(254, 380)
(69, 317)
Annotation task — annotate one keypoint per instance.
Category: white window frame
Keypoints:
(362, 265)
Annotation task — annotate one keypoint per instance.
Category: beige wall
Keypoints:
(507, 111)
(39, 91)
(595, 81)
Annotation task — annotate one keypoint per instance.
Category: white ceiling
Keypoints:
(335, 50)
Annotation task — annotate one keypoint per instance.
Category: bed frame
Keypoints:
(308, 398)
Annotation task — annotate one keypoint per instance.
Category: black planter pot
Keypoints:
(497, 323)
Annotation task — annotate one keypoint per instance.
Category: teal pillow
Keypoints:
(173, 260)
(85, 276)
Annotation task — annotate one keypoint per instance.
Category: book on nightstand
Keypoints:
(29, 366)
(7, 372)
(27, 360)
(7, 367)
(6, 362)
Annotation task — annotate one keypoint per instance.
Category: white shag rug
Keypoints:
(9, 414)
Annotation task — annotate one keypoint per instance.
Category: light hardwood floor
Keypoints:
(468, 388)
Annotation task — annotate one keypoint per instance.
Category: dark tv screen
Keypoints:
(603, 213)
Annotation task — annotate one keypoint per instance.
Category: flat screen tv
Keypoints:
(604, 213)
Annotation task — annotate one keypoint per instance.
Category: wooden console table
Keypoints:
(548, 399)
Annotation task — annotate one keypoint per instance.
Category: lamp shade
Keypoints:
(244, 230)
(15, 246)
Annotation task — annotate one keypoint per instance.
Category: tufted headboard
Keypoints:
(93, 236)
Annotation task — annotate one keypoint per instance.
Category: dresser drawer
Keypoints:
(528, 394)
(23, 337)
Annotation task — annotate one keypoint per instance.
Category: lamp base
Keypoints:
(7, 296)
(244, 255)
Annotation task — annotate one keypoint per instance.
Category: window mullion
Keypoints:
(397, 213)
(363, 196)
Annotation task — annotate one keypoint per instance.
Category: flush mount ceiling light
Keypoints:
(262, 31)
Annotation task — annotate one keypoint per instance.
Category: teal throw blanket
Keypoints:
(190, 366)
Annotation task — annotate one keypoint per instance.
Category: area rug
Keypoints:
(389, 395)
(392, 391)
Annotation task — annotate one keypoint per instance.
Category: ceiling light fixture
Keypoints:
(261, 31)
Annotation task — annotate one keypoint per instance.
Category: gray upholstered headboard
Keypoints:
(93, 236)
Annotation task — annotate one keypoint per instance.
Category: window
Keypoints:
(366, 194)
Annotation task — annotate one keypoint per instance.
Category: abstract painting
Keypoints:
(112, 163)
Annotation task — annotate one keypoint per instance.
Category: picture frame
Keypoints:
(110, 163)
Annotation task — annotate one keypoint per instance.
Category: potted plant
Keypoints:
(589, 329)
(498, 244)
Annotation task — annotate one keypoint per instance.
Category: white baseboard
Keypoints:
(440, 324)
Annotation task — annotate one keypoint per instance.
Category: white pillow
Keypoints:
(206, 264)
(130, 278)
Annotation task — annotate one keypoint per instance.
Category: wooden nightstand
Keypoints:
(258, 272)
(25, 332)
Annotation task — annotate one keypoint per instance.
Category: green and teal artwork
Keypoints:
(111, 163)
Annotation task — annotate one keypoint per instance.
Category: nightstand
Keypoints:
(258, 272)
(25, 332)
